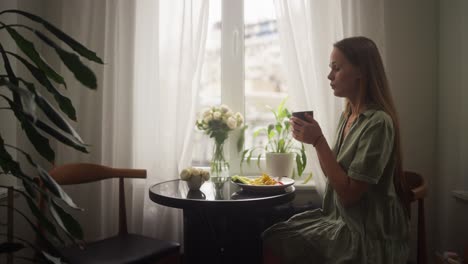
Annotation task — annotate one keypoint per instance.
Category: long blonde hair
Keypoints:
(374, 90)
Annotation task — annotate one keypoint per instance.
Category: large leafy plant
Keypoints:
(23, 97)
(279, 140)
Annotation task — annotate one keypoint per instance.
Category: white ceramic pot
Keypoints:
(280, 164)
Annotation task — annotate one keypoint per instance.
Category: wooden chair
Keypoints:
(418, 191)
(124, 247)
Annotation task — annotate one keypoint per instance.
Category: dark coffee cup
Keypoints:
(301, 114)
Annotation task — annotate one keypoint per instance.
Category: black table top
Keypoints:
(228, 195)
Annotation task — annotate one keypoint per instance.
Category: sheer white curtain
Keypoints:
(168, 58)
(365, 18)
(105, 115)
(142, 114)
(308, 30)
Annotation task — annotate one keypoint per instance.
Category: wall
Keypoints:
(452, 156)
(411, 45)
(428, 71)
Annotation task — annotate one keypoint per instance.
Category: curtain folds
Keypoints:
(105, 115)
(142, 114)
(308, 30)
(167, 79)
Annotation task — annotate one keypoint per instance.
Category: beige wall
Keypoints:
(452, 156)
(411, 44)
(428, 70)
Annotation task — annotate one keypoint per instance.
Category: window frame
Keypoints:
(233, 70)
(233, 79)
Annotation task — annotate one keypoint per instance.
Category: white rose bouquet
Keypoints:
(217, 122)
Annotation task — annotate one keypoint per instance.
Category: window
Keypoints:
(242, 69)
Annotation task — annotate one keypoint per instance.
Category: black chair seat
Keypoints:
(121, 249)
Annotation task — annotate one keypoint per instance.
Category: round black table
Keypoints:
(222, 222)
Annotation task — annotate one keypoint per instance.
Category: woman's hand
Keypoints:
(306, 131)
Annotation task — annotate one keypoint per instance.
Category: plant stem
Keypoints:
(218, 161)
(15, 148)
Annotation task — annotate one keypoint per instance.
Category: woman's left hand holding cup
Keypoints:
(306, 131)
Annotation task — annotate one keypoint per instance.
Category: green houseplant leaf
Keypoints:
(28, 48)
(81, 72)
(279, 140)
(40, 143)
(51, 113)
(75, 45)
(66, 221)
(64, 103)
(23, 97)
(47, 109)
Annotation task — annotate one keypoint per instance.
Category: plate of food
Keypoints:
(263, 183)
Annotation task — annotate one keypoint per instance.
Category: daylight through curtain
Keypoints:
(142, 114)
(168, 60)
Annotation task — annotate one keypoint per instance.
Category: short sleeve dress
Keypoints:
(375, 229)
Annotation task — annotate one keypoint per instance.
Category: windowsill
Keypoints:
(299, 185)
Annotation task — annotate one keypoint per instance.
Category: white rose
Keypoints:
(207, 118)
(206, 113)
(216, 115)
(239, 118)
(225, 118)
(224, 108)
(228, 114)
(194, 171)
(232, 122)
(205, 174)
(185, 174)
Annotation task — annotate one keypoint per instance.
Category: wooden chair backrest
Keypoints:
(418, 191)
(78, 173)
(417, 185)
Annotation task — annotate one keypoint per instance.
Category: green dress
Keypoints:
(375, 229)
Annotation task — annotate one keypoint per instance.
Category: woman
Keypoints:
(364, 217)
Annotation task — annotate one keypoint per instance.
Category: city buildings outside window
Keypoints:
(263, 83)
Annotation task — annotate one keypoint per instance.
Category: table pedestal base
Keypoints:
(213, 236)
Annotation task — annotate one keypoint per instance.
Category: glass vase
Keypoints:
(219, 165)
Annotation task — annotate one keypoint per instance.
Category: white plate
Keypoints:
(286, 182)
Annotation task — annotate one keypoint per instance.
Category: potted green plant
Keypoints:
(23, 97)
(281, 149)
